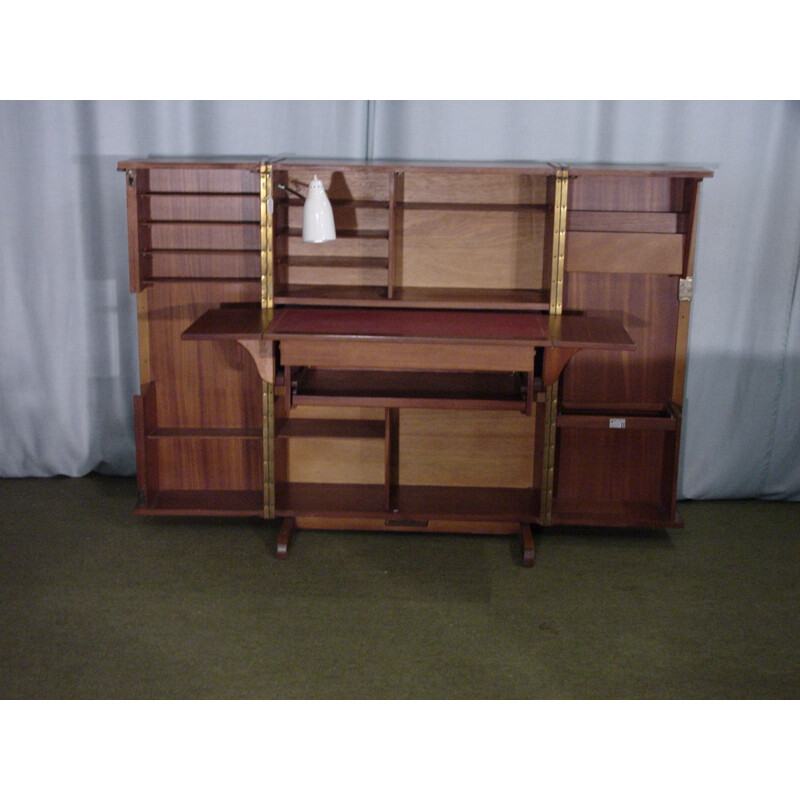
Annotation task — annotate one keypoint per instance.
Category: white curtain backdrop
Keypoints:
(68, 360)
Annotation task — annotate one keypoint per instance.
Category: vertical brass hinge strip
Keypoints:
(556, 307)
(267, 304)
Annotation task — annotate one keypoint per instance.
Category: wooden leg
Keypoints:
(285, 537)
(526, 537)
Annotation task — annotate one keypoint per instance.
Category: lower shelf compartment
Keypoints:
(204, 503)
(454, 390)
(613, 514)
(408, 503)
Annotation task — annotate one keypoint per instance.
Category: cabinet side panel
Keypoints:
(647, 305)
(201, 384)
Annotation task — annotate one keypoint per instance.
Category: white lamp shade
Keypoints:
(318, 215)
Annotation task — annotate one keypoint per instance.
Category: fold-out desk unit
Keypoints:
(483, 348)
(394, 359)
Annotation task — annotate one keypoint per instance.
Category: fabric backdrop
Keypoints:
(68, 358)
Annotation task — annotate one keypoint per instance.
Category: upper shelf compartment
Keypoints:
(624, 224)
(193, 223)
(416, 237)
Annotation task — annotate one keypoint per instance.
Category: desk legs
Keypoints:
(285, 537)
(526, 538)
(289, 526)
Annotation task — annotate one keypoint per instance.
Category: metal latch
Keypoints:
(685, 288)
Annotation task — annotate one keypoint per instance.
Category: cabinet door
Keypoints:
(195, 239)
(628, 246)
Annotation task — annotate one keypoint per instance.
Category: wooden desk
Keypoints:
(484, 347)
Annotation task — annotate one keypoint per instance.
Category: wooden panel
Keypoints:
(413, 502)
(408, 325)
(393, 389)
(610, 465)
(311, 460)
(330, 428)
(202, 208)
(347, 218)
(238, 323)
(330, 294)
(135, 183)
(466, 448)
(657, 253)
(209, 464)
(332, 276)
(626, 193)
(470, 187)
(477, 299)
(663, 421)
(348, 354)
(626, 221)
(341, 248)
(199, 502)
(646, 305)
(203, 180)
(331, 499)
(200, 383)
(588, 331)
(205, 265)
(452, 502)
(204, 236)
(613, 513)
(471, 249)
(351, 184)
(337, 413)
(395, 523)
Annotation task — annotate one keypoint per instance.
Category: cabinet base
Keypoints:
(291, 525)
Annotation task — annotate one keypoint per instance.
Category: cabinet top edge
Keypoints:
(535, 167)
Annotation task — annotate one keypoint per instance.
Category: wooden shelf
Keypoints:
(205, 433)
(284, 199)
(331, 295)
(237, 322)
(455, 326)
(332, 499)
(413, 297)
(330, 428)
(335, 262)
(472, 299)
(203, 503)
(604, 513)
(476, 391)
(664, 419)
(409, 502)
(514, 326)
(465, 206)
(344, 233)
(148, 280)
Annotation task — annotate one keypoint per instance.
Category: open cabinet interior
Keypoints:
(482, 348)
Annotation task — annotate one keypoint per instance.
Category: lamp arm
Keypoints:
(291, 191)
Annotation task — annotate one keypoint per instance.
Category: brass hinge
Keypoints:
(685, 290)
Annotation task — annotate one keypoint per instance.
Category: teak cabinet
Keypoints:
(484, 347)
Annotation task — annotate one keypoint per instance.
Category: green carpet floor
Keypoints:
(98, 603)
